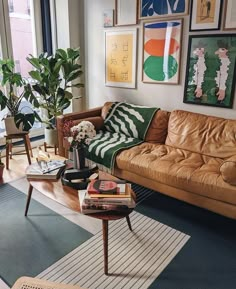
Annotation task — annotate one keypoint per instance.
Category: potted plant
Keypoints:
(54, 77)
(14, 88)
(2, 166)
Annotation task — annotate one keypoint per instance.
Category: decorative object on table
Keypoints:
(13, 90)
(2, 165)
(79, 179)
(210, 70)
(162, 8)
(161, 51)
(126, 12)
(120, 58)
(54, 78)
(229, 17)
(79, 137)
(108, 20)
(205, 15)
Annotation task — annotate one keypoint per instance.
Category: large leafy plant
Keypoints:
(54, 77)
(14, 88)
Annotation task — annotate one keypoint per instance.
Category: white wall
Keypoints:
(166, 97)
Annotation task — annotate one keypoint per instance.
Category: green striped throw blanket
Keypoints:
(125, 126)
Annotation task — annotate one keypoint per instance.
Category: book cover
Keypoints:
(108, 189)
(34, 171)
(102, 187)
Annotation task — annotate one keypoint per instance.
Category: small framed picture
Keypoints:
(126, 12)
(210, 70)
(162, 8)
(205, 15)
(108, 18)
(230, 12)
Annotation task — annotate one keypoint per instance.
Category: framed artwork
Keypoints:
(210, 71)
(120, 58)
(205, 15)
(108, 20)
(126, 12)
(161, 51)
(230, 15)
(160, 8)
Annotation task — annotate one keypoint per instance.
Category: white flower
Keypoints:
(70, 139)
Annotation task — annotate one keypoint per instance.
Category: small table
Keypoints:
(68, 197)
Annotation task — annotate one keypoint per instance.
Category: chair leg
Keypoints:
(7, 153)
(45, 146)
(27, 149)
(10, 149)
(29, 145)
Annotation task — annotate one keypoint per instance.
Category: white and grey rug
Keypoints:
(135, 258)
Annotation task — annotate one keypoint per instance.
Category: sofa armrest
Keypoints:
(228, 170)
(77, 117)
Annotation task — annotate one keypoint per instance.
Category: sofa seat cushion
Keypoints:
(178, 168)
(208, 135)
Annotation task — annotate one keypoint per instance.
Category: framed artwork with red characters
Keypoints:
(210, 70)
(161, 51)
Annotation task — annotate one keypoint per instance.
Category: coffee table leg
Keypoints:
(129, 223)
(105, 244)
(28, 199)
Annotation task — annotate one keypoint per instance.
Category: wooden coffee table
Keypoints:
(68, 197)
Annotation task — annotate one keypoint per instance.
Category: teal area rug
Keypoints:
(29, 245)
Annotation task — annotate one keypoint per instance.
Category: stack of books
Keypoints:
(50, 170)
(102, 195)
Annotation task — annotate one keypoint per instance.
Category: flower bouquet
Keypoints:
(79, 136)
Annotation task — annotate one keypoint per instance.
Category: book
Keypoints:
(129, 202)
(108, 189)
(34, 171)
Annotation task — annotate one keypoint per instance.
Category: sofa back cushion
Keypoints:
(158, 128)
(208, 135)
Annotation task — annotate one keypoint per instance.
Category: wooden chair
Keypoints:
(25, 137)
(35, 283)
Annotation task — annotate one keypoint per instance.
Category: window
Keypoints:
(20, 35)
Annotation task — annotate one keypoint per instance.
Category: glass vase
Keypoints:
(79, 158)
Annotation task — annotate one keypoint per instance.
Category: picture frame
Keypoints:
(108, 18)
(205, 15)
(162, 8)
(162, 51)
(120, 57)
(126, 12)
(210, 70)
(230, 11)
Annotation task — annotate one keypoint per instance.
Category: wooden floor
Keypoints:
(18, 165)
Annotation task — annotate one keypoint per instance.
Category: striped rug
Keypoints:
(135, 258)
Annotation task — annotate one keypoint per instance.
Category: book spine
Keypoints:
(89, 208)
(108, 201)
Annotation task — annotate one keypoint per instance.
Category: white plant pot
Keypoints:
(10, 126)
(51, 137)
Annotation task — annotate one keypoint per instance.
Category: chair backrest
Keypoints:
(35, 283)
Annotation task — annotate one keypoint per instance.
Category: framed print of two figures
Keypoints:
(210, 71)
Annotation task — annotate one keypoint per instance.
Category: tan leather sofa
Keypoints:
(189, 156)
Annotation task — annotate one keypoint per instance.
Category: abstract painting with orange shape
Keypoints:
(161, 51)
